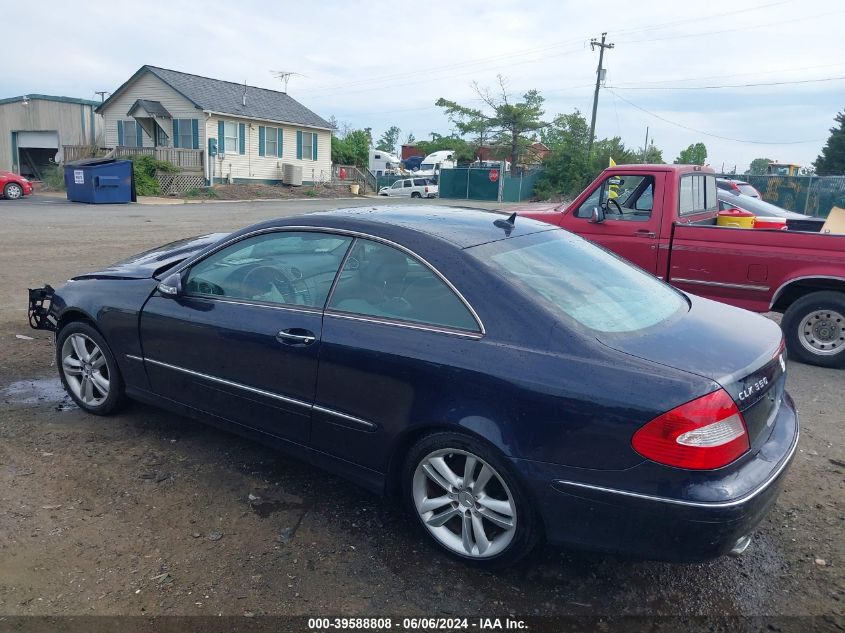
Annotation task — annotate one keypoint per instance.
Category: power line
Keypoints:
(754, 85)
(692, 129)
(699, 19)
(778, 71)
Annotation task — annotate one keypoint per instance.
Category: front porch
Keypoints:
(188, 160)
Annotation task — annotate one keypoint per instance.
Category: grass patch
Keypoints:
(311, 193)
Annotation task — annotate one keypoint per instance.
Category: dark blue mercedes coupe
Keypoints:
(508, 380)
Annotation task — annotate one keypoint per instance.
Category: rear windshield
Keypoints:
(566, 274)
(748, 190)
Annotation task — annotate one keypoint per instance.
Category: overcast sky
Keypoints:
(373, 64)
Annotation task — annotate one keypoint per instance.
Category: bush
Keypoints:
(202, 192)
(311, 193)
(54, 177)
(145, 171)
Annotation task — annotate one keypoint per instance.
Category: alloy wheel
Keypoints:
(13, 191)
(464, 503)
(85, 369)
(823, 332)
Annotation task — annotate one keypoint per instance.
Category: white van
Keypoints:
(382, 163)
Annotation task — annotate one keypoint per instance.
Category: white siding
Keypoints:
(148, 86)
(250, 165)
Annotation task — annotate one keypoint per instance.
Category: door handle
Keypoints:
(645, 233)
(296, 336)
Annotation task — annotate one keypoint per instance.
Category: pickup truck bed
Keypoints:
(663, 218)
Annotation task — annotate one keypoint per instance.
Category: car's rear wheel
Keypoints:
(416, 194)
(467, 499)
(13, 191)
(88, 369)
(814, 327)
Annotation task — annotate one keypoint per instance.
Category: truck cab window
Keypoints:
(622, 197)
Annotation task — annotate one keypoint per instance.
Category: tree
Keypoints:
(409, 140)
(832, 159)
(653, 156)
(389, 140)
(508, 124)
(758, 166)
(606, 149)
(352, 149)
(695, 154)
(566, 168)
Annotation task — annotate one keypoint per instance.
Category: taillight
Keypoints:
(426, 189)
(735, 187)
(705, 433)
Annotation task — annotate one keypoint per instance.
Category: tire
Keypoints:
(462, 525)
(416, 194)
(13, 191)
(88, 369)
(814, 327)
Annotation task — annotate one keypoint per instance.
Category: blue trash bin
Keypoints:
(100, 181)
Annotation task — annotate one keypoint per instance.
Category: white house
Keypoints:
(227, 131)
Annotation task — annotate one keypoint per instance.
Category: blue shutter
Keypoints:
(221, 137)
(175, 132)
(314, 145)
(261, 137)
(242, 138)
(195, 133)
(279, 142)
(120, 132)
(139, 134)
(299, 144)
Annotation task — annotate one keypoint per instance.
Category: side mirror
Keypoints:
(171, 286)
(598, 216)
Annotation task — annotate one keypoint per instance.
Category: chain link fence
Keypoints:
(813, 195)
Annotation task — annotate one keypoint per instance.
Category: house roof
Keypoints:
(35, 97)
(227, 97)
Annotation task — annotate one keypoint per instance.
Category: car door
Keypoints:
(631, 228)
(241, 340)
(394, 337)
(407, 188)
(395, 189)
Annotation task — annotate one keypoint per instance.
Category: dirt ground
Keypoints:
(146, 513)
(268, 192)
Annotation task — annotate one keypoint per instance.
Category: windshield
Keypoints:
(567, 274)
(427, 166)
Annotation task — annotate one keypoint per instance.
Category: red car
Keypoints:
(13, 186)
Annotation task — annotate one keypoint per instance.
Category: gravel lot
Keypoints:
(146, 513)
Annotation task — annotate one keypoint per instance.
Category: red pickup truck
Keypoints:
(663, 218)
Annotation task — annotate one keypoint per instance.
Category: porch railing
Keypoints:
(186, 159)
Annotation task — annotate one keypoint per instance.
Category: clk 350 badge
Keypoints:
(752, 389)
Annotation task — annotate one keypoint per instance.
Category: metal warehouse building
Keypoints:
(33, 129)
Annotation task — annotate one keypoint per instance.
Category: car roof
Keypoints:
(460, 226)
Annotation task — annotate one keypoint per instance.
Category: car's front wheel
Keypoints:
(467, 499)
(814, 327)
(88, 369)
(13, 191)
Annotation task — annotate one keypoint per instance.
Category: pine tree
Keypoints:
(831, 161)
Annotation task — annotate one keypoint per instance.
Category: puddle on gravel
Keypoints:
(38, 391)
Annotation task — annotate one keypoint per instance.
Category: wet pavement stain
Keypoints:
(35, 391)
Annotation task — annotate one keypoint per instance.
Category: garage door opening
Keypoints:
(36, 152)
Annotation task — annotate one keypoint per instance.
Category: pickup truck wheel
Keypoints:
(814, 327)
(416, 194)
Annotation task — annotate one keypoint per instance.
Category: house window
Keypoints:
(307, 146)
(130, 134)
(186, 134)
(271, 144)
(231, 138)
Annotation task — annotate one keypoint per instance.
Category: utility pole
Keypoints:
(645, 147)
(599, 77)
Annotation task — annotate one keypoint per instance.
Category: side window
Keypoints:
(697, 194)
(288, 268)
(381, 281)
(419, 182)
(396, 185)
(407, 183)
(622, 197)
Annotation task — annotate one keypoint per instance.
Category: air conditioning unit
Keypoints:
(292, 175)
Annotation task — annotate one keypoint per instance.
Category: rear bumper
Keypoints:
(686, 520)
